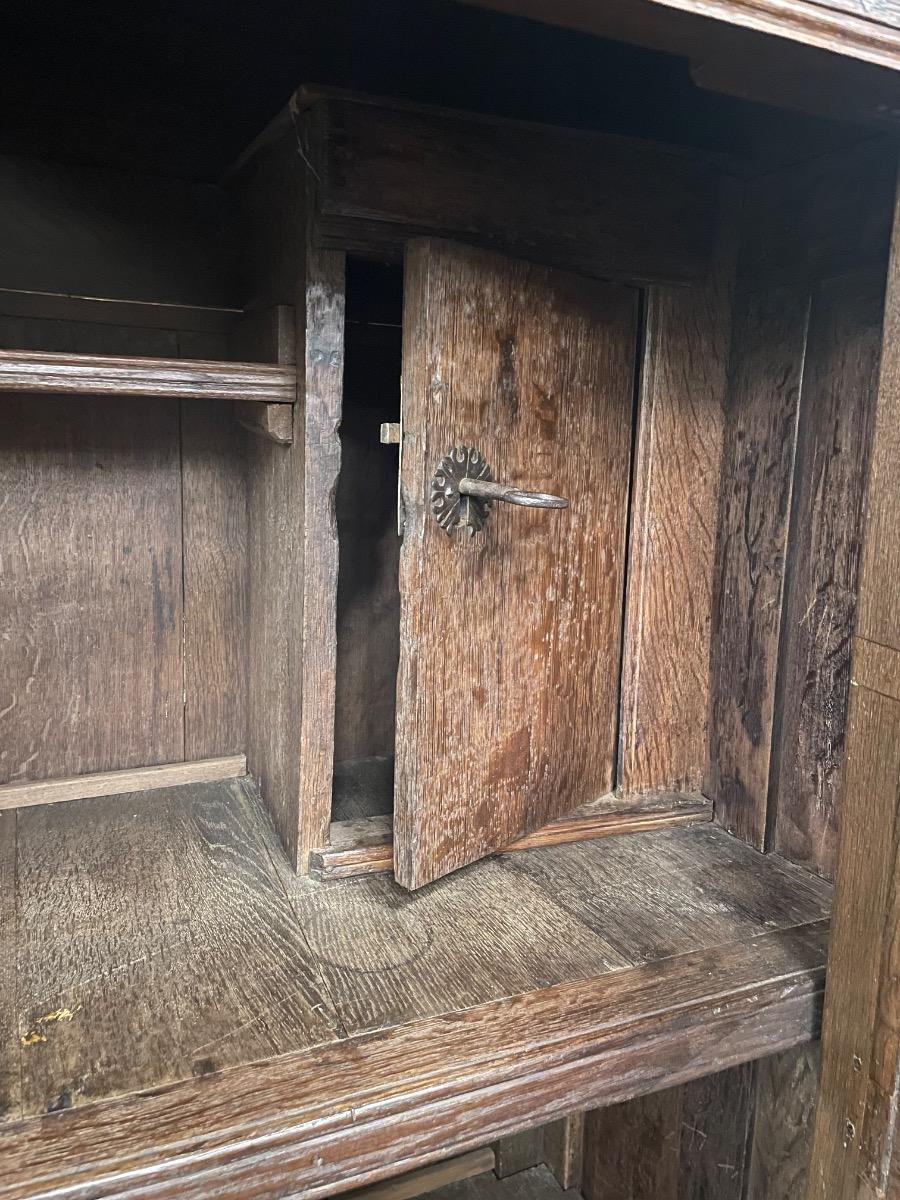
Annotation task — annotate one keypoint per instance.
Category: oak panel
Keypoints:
(533, 368)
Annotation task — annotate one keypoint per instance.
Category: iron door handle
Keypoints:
(486, 489)
(463, 490)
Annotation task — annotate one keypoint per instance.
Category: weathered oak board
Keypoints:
(387, 173)
(839, 384)
(91, 606)
(534, 369)
(757, 473)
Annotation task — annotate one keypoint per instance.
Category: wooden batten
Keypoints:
(113, 783)
(95, 375)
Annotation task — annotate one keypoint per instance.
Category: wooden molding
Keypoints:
(114, 783)
(101, 375)
(365, 846)
(344, 1115)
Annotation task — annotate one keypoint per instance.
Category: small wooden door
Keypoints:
(510, 637)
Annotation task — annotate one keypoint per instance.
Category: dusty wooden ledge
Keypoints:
(325, 1120)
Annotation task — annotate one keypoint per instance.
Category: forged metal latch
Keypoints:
(463, 491)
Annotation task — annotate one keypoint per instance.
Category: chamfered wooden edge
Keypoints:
(115, 783)
(365, 846)
(27, 371)
(426, 1179)
(321, 1121)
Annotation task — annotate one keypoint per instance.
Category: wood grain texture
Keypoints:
(852, 1060)
(632, 1149)
(112, 783)
(786, 1086)
(10, 1078)
(389, 958)
(214, 499)
(388, 172)
(272, 421)
(879, 601)
(91, 610)
(159, 945)
(765, 374)
(293, 553)
(564, 1150)
(837, 403)
(685, 1143)
(535, 369)
(99, 375)
(873, 37)
(364, 845)
(737, 898)
(674, 503)
(582, 1044)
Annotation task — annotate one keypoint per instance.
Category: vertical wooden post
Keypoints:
(856, 1119)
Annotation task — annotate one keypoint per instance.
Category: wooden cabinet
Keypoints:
(430, 558)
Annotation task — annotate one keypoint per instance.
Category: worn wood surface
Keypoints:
(674, 503)
(879, 601)
(856, 1062)
(92, 607)
(590, 880)
(437, 1178)
(577, 1045)
(364, 845)
(112, 783)
(854, 1141)
(839, 382)
(291, 525)
(767, 355)
(785, 1095)
(166, 905)
(533, 368)
(564, 1150)
(387, 172)
(214, 499)
(10, 1077)
(99, 375)
(687, 1143)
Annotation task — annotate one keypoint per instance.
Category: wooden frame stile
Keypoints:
(291, 484)
(856, 1155)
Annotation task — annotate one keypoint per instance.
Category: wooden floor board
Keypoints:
(156, 944)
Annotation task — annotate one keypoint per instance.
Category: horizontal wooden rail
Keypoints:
(175, 378)
(114, 783)
(364, 846)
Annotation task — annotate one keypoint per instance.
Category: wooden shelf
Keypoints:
(186, 379)
(184, 1015)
